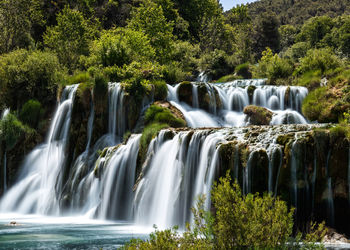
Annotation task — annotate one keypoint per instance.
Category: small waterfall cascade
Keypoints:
(116, 124)
(284, 101)
(36, 191)
(179, 170)
(106, 191)
(3, 115)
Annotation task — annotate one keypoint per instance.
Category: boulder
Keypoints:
(258, 115)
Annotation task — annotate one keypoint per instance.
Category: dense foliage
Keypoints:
(251, 221)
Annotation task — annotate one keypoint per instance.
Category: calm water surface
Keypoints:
(37, 232)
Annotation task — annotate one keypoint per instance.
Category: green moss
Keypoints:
(148, 134)
(162, 115)
(310, 79)
(244, 70)
(258, 115)
(340, 131)
(229, 78)
(285, 138)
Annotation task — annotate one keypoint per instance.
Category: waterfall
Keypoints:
(180, 169)
(3, 115)
(106, 191)
(284, 102)
(116, 124)
(38, 187)
(195, 102)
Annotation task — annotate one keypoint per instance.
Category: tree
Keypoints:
(149, 18)
(70, 37)
(28, 75)
(17, 18)
(195, 12)
(266, 34)
(315, 29)
(119, 47)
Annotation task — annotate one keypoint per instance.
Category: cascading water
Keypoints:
(3, 115)
(179, 165)
(37, 190)
(181, 168)
(116, 124)
(285, 102)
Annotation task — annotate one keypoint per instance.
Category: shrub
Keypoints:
(31, 113)
(297, 51)
(11, 130)
(240, 222)
(249, 221)
(318, 59)
(244, 70)
(273, 67)
(160, 90)
(216, 64)
(28, 75)
(317, 106)
(173, 73)
(121, 46)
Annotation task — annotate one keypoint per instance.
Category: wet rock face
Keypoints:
(306, 165)
(184, 92)
(258, 115)
(208, 96)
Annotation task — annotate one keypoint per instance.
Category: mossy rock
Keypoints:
(208, 100)
(258, 115)
(164, 112)
(285, 138)
(184, 92)
(250, 91)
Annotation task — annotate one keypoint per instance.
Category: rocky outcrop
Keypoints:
(258, 115)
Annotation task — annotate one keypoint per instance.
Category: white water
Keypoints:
(116, 123)
(36, 190)
(176, 171)
(181, 169)
(285, 103)
(3, 115)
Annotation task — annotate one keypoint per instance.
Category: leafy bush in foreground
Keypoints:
(240, 222)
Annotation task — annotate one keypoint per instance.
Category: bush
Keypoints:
(317, 106)
(244, 70)
(318, 59)
(173, 73)
(119, 47)
(240, 222)
(160, 90)
(28, 75)
(217, 64)
(273, 67)
(162, 115)
(11, 130)
(297, 51)
(249, 221)
(31, 113)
